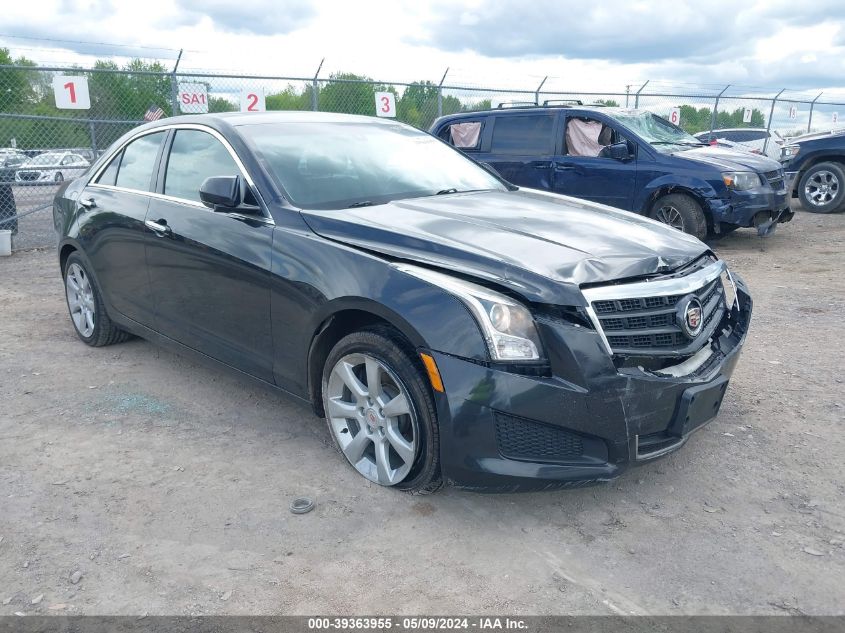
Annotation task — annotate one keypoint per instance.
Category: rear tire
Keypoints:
(58, 177)
(680, 212)
(85, 305)
(391, 444)
(822, 188)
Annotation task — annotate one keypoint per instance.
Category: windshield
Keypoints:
(45, 159)
(657, 131)
(337, 165)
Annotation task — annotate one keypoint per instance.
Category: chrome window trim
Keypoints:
(191, 203)
(182, 126)
(658, 288)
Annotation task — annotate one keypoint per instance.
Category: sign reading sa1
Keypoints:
(386, 104)
(71, 92)
(675, 116)
(252, 100)
(193, 98)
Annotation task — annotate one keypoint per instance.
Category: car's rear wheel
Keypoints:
(680, 212)
(380, 411)
(85, 305)
(822, 188)
(58, 177)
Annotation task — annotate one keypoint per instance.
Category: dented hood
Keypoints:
(726, 159)
(540, 245)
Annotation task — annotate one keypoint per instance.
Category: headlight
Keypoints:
(507, 325)
(741, 180)
(789, 152)
(729, 286)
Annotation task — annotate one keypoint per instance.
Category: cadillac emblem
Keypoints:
(692, 319)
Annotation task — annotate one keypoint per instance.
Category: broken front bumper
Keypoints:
(585, 421)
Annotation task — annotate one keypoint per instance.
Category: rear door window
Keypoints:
(524, 135)
(465, 135)
(139, 157)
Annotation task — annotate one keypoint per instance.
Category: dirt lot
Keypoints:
(133, 481)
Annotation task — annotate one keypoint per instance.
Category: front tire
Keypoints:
(58, 177)
(680, 212)
(822, 188)
(380, 412)
(85, 305)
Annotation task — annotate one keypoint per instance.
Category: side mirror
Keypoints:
(221, 191)
(619, 151)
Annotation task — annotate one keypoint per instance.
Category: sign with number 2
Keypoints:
(386, 104)
(252, 100)
(71, 92)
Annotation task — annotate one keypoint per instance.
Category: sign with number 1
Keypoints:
(252, 100)
(385, 104)
(71, 92)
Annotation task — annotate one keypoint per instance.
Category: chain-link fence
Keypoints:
(54, 121)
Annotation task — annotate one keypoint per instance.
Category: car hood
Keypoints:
(539, 245)
(814, 137)
(729, 159)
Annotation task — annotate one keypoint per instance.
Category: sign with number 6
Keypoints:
(386, 104)
(252, 100)
(71, 92)
(675, 116)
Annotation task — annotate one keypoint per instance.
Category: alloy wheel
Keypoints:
(80, 300)
(668, 214)
(372, 419)
(821, 188)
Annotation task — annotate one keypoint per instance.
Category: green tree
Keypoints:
(610, 103)
(350, 93)
(289, 99)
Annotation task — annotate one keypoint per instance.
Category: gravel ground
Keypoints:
(133, 481)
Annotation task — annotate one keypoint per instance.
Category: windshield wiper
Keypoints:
(443, 192)
(687, 143)
(362, 203)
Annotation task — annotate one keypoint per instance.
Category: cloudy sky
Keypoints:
(513, 43)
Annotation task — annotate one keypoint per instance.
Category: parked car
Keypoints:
(450, 327)
(629, 159)
(10, 160)
(51, 167)
(757, 139)
(815, 171)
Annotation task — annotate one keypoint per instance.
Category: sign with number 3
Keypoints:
(252, 100)
(71, 92)
(386, 104)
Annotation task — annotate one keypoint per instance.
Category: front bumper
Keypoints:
(763, 209)
(586, 422)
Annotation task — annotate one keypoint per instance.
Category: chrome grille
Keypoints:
(775, 178)
(642, 319)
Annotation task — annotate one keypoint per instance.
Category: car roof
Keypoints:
(573, 109)
(277, 116)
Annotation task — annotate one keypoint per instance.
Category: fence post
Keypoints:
(314, 86)
(716, 108)
(812, 105)
(440, 94)
(174, 87)
(769, 122)
(93, 131)
(537, 92)
(637, 96)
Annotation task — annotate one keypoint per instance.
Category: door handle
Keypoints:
(564, 166)
(541, 164)
(88, 203)
(159, 227)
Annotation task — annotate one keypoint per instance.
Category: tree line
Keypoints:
(124, 93)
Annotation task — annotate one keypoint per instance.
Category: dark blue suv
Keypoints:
(629, 159)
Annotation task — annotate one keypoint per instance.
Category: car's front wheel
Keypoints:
(822, 188)
(85, 305)
(58, 177)
(380, 411)
(680, 212)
